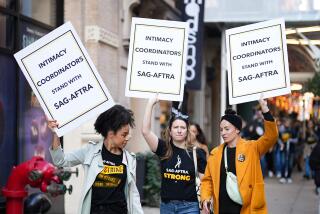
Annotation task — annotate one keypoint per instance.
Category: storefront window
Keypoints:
(34, 134)
(23, 128)
(253, 10)
(30, 33)
(7, 31)
(7, 3)
(7, 116)
(43, 11)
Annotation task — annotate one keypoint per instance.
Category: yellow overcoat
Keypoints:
(249, 174)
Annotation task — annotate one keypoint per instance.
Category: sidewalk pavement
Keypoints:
(296, 198)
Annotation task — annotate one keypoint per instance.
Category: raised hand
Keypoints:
(263, 104)
(52, 124)
(152, 101)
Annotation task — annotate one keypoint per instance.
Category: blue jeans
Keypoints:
(307, 167)
(277, 160)
(263, 163)
(179, 207)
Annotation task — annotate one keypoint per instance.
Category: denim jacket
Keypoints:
(90, 157)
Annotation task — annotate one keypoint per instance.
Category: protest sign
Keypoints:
(257, 61)
(157, 59)
(64, 78)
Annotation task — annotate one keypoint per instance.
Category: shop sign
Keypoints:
(193, 12)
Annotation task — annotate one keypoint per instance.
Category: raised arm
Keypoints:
(148, 135)
(270, 136)
(58, 157)
(52, 124)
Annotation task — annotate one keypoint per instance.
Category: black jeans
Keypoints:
(317, 178)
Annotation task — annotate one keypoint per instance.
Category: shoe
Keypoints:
(289, 181)
(278, 175)
(282, 180)
(270, 174)
(306, 177)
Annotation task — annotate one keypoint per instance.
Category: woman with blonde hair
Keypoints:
(178, 176)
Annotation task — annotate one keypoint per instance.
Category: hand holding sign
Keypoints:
(263, 104)
(154, 100)
(52, 124)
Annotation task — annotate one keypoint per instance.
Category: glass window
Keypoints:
(30, 33)
(7, 116)
(7, 31)
(253, 10)
(43, 11)
(34, 135)
(7, 3)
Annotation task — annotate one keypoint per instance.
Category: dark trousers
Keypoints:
(317, 178)
(269, 159)
(287, 164)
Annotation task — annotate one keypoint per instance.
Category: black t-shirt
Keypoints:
(108, 188)
(177, 173)
(226, 205)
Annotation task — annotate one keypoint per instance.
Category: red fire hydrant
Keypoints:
(37, 173)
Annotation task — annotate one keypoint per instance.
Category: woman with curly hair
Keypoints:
(109, 185)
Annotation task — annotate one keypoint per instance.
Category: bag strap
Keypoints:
(194, 154)
(225, 159)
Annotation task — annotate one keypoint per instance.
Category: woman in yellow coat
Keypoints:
(243, 160)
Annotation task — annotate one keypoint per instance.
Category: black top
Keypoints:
(226, 205)
(108, 188)
(268, 116)
(178, 173)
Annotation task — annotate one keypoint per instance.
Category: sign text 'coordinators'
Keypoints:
(60, 71)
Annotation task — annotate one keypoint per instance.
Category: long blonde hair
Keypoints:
(168, 139)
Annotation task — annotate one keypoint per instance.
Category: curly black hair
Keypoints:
(114, 119)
